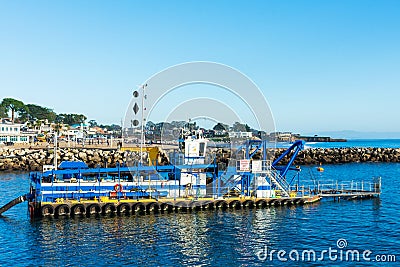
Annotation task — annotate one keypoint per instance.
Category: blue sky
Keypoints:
(322, 65)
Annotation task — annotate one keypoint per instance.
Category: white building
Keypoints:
(281, 136)
(240, 134)
(11, 132)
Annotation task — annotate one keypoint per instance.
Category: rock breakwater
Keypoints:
(346, 155)
(315, 156)
(33, 159)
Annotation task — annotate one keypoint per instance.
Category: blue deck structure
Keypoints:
(132, 182)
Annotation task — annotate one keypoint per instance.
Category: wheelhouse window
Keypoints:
(201, 150)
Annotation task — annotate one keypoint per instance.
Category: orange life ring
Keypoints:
(118, 188)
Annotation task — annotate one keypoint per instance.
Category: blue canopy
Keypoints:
(73, 165)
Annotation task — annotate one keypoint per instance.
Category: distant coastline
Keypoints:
(325, 139)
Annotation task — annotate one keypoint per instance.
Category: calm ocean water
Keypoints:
(382, 143)
(209, 238)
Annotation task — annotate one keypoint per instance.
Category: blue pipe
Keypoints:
(298, 145)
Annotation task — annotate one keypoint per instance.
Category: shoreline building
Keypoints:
(11, 132)
(240, 134)
(281, 136)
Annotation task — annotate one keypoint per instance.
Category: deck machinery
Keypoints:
(189, 183)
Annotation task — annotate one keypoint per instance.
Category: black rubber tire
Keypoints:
(93, 209)
(138, 208)
(124, 208)
(78, 210)
(47, 210)
(222, 205)
(235, 205)
(109, 208)
(62, 210)
(153, 207)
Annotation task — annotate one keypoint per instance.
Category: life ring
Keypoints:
(118, 188)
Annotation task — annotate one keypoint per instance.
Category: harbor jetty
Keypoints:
(314, 156)
(25, 159)
(32, 159)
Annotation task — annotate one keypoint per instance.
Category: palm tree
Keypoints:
(38, 124)
(29, 124)
(57, 127)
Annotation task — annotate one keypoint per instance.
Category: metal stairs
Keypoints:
(280, 182)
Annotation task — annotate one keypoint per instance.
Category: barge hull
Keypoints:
(146, 206)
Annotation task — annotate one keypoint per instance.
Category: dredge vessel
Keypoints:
(188, 183)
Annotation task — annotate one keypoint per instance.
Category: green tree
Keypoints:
(79, 118)
(38, 124)
(60, 118)
(92, 123)
(14, 105)
(23, 114)
(3, 112)
(57, 127)
(70, 119)
(239, 127)
(220, 127)
(191, 126)
(36, 112)
(150, 125)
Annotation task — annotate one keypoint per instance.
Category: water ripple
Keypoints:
(209, 238)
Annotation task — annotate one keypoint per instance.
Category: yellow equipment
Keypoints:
(153, 153)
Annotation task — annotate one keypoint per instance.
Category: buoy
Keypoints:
(320, 169)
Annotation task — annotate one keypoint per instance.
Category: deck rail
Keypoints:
(340, 188)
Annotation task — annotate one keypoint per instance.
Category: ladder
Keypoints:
(280, 182)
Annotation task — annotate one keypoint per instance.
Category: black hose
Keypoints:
(12, 203)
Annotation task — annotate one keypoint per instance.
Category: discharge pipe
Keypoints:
(12, 203)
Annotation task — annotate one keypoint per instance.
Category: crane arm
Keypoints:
(297, 147)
